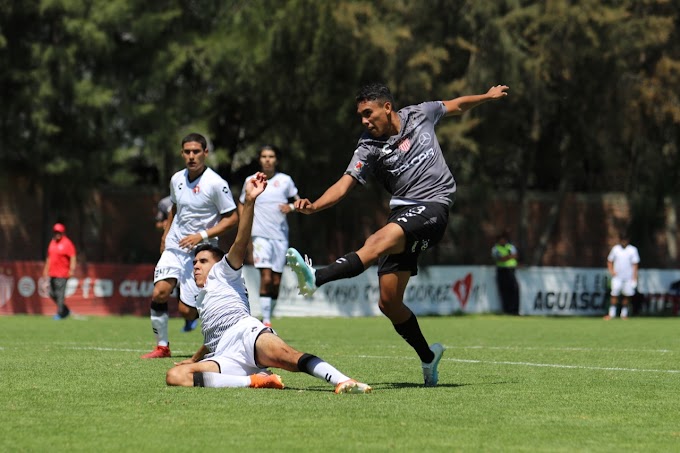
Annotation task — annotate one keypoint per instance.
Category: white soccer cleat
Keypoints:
(304, 271)
(430, 372)
(352, 386)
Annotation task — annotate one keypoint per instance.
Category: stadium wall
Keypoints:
(108, 289)
(117, 226)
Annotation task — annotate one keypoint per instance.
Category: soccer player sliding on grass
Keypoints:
(237, 347)
(400, 149)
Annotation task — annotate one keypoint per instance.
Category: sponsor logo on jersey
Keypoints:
(415, 161)
(358, 166)
(424, 139)
(386, 150)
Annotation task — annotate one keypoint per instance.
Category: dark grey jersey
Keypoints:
(410, 165)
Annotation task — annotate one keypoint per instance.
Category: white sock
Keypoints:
(224, 380)
(266, 307)
(326, 371)
(612, 311)
(624, 311)
(159, 324)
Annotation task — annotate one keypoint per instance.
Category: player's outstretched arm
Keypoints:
(331, 196)
(462, 104)
(254, 187)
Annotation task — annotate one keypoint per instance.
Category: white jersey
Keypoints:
(222, 302)
(200, 205)
(623, 259)
(269, 222)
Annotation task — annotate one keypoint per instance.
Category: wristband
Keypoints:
(204, 235)
(291, 206)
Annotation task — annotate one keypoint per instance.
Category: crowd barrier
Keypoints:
(119, 289)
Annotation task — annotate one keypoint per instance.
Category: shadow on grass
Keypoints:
(385, 386)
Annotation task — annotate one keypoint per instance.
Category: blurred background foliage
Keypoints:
(98, 93)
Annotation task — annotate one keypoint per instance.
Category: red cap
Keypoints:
(59, 228)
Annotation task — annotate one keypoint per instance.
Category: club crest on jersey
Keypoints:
(196, 189)
(359, 165)
(405, 145)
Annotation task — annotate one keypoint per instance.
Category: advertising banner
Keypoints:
(436, 290)
(562, 291)
(117, 289)
(97, 289)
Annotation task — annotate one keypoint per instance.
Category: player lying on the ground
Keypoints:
(237, 347)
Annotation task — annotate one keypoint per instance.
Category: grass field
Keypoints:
(506, 384)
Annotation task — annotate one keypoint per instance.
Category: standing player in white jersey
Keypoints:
(401, 150)
(270, 228)
(622, 263)
(238, 348)
(203, 209)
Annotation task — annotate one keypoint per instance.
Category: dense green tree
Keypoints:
(99, 93)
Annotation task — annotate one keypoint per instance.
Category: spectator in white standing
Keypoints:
(270, 228)
(622, 264)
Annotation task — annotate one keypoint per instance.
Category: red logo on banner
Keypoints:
(462, 289)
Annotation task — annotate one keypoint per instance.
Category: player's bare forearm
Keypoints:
(226, 223)
(237, 253)
(333, 195)
(462, 104)
(238, 250)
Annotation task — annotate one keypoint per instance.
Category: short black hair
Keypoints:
(375, 92)
(268, 147)
(216, 252)
(194, 137)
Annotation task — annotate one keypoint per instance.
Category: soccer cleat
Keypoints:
(160, 352)
(304, 271)
(352, 386)
(189, 325)
(606, 317)
(430, 372)
(267, 324)
(266, 381)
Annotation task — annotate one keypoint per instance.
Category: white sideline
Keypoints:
(451, 359)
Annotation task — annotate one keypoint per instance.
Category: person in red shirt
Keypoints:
(59, 266)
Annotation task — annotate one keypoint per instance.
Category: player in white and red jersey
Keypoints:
(400, 149)
(623, 262)
(270, 228)
(237, 347)
(203, 209)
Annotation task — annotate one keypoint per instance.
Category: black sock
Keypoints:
(303, 363)
(348, 266)
(410, 331)
(198, 380)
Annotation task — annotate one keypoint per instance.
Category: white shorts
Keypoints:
(235, 353)
(625, 287)
(178, 265)
(269, 253)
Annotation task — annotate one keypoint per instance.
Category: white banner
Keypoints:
(447, 290)
(581, 291)
(436, 290)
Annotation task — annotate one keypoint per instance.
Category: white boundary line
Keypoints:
(451, 359)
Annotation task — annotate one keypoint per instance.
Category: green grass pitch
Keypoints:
(506, 384)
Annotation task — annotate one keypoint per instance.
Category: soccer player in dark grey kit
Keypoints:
(400, 149)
